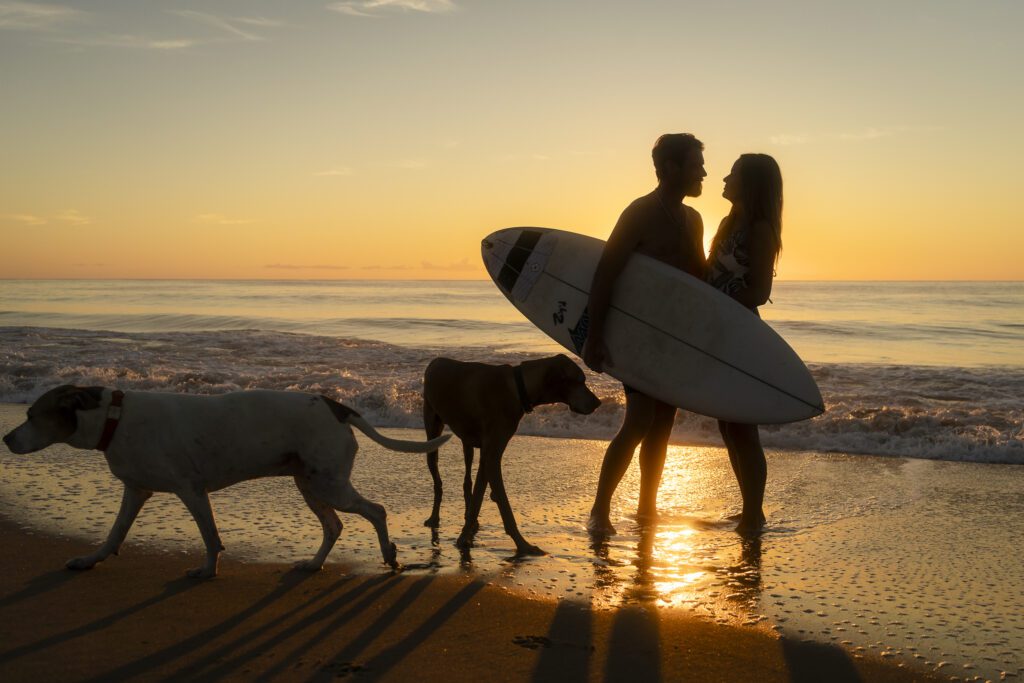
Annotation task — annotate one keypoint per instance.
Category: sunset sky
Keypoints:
(384, 138)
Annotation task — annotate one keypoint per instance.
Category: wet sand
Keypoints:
(137, 617)
(907, 562)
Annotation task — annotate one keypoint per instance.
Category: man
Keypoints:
(658, 225)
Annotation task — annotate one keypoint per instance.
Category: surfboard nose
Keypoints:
(515, 257)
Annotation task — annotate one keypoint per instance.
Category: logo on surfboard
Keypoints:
(578, 334)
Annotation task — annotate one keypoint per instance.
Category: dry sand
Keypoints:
(137, 617)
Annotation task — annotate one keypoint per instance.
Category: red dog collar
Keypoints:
(113, 416)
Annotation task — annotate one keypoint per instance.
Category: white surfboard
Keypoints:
(669, 334)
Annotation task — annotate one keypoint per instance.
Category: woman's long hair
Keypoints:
(760, 196)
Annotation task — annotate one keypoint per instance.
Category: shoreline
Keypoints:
(137, 616)
(870, 556)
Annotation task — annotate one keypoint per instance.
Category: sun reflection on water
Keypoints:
(690, 556)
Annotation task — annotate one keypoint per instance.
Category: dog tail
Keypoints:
(396, 444)
(348, 416)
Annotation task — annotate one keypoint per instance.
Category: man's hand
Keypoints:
(595, 354)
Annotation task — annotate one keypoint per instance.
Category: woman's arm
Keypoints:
(696, 225)
(761, 254)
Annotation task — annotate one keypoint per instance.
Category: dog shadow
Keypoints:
(379, 665)
(171, 589)
(289, 581)
(39, 585)
(251, 644)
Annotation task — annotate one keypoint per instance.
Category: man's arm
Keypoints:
(621, 244)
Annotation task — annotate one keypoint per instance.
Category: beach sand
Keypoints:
(873, 568)
(137, 617)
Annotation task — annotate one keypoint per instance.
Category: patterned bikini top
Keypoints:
(729, 261)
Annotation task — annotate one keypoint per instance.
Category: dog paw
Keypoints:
(201, 573)
(391, 557)
(600, 527)
(309, 565)
(80, 563)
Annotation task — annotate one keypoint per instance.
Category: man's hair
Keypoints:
(674, 147)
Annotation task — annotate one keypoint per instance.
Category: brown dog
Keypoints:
(483, 404)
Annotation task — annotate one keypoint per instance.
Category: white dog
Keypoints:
(189, 445)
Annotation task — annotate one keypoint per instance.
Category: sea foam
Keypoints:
(945, 413)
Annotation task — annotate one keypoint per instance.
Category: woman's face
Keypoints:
(731, 191)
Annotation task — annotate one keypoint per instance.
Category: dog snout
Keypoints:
(11, 443)
(585, 403)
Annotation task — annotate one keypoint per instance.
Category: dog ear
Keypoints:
(81, 398)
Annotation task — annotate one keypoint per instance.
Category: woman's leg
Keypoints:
(751, 473)
(730, 448)
(635, 424)
(653, 450)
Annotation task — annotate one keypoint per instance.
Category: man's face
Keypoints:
(694, 173)
(688, 175)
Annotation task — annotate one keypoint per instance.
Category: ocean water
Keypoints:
(920, 369)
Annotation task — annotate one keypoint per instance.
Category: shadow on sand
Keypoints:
(184, 647)
(171, 589)
(810, 662)
(39, 585)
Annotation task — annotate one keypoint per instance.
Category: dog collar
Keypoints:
(524, 398)
(113, 416)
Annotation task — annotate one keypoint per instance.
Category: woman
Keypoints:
(742, 264)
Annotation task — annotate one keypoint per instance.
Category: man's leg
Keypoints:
(652, 459)
(635, 424)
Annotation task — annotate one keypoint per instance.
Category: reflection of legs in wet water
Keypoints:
(643, 588)
(751, 469)
(638, 419)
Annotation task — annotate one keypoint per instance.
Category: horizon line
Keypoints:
(396, 279)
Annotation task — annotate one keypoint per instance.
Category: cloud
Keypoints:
(336, 171)
(224, 23)
(69, 216)
(376, 8)
(28, 219)
(228, 29)
(34, 16)
(221, 219)
(128, 41)
(464, 264)
(786, 139)
(73, 217)
(263, 22)
(873, 133)
(868, 134)
(296, 266)
(410, 164)
(524, 157)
